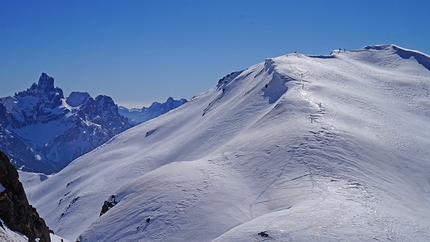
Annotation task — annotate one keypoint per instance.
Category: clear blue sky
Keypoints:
(138, 52)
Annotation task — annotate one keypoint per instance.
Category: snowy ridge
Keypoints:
(307, 148)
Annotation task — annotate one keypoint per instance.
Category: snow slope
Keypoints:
(307, 148)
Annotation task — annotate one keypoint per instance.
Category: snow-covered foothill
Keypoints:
(298, 148)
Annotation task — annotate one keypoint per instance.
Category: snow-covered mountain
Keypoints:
(303, 148)
(42, 131)
(140, 115)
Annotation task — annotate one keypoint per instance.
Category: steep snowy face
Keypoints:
(140, 115)
(302, 148)
(43, 132)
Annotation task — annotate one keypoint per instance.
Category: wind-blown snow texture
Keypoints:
(42, 131)
(307, 148)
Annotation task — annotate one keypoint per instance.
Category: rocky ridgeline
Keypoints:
(15, 211)
(42, 131)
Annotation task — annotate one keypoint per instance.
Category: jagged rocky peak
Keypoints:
(76, 99)
(105, 107)
(45, 86)
(40, 133)
(15, 211)
(46, 83)
(106, 101)
(44, 89)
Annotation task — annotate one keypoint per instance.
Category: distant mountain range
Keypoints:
(42, 131)
(140, 115)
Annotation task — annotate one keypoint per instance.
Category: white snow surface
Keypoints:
(9, 235)
(334, 148)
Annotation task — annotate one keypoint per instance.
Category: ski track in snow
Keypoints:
(307, 148)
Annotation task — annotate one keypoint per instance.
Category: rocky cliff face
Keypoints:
(15, 211)
(42, 131)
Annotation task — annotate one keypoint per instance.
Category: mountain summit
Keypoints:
(46, 85)
(296, 148)
(42, 131)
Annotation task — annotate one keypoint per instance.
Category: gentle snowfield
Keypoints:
(307, 148)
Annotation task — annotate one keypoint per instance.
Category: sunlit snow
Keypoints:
(303, 148)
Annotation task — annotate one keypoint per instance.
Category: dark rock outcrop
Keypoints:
(15, 211)
(110, 203)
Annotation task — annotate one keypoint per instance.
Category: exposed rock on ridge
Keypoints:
(15, 210)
